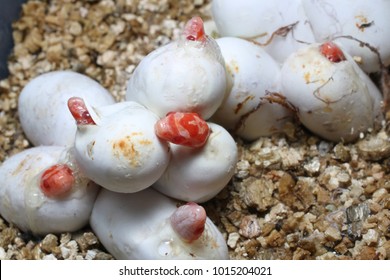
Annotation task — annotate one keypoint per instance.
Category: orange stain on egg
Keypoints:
(128, 148)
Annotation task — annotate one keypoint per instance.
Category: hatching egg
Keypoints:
(140, 226)
(330, 97)
(119, 150)
(43, 110)
(362, 22)
(28, 197)
(187, 75)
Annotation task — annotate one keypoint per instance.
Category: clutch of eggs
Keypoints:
(335, 100)
(349, 23)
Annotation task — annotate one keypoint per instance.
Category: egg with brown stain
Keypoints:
(332, 96)
(120, 150)
(254, 74)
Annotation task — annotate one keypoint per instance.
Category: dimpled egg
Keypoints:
(148, 225)
(42, 106)
(37, 197)
(119, 150)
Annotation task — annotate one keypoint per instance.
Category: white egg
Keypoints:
(367, 21)
(183, 76)
(42, 108)
(254, 74)
(137, 226)
(240, 18)
(23, 203)
(121, 151)
(331, 98)
(198, 174)
(280, 25)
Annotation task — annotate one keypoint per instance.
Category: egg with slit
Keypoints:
(42, 191)
(148, 225)
(42, 106)
(361, 22)
(116, 145)
(186, 75)
(331, 98)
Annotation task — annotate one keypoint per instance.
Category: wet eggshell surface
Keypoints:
(24, 204)
(137, 226)
(43, 110)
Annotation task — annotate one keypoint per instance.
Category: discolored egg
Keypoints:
(254, 74)
(331, 96)
(280, 26)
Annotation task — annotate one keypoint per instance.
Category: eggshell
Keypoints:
(198, 174)
(259, 19)
(332, 99)
(43, 110)
(253, 73)
(183, 76)
(367, 21)
(137, 226)
(240, 18)
(121, 152)
(23, 203)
